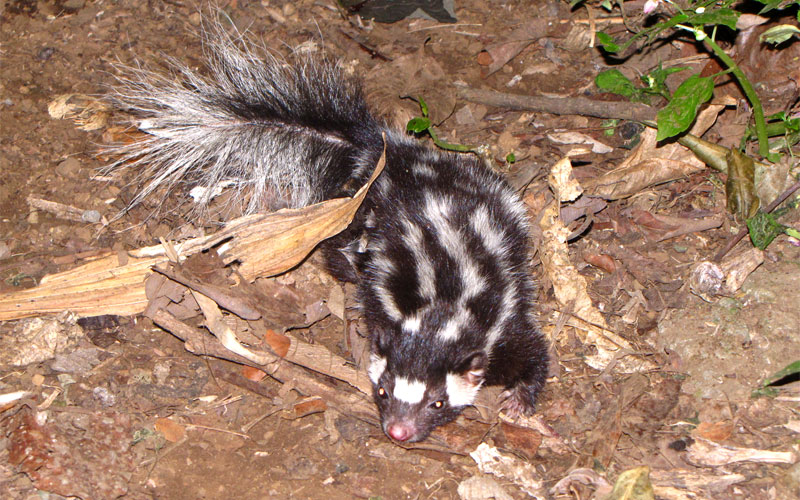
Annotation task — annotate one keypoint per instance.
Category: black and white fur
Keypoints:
(438, 249)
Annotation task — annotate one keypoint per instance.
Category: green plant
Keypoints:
(764, 227)
(768, 386)
(701, 19)
(422, 124)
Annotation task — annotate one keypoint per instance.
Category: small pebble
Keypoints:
(91, 216)
(46, 53)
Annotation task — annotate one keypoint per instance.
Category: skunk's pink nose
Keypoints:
(400, 432)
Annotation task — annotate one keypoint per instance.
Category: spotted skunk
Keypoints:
(438, 249)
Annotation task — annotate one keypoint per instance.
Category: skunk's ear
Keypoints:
(473, 368)
(380, 340)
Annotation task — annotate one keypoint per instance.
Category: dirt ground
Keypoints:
(135, 415)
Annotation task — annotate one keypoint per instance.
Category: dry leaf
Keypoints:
(265, 245)
(309, 407)
(601, 261)
(648, 165)
(717, 431)
(172, 431)
(277, 342)
(509, 468)
(633, 484)
(570, 286)
(87, 112)
(740, 189)
(253, 374)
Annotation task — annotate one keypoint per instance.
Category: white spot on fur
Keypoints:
(384, 185)
(450, 331)
(377, 365)
(459, 391)
(412, 324)
(456, 325)
(409, 391)
(423, 170)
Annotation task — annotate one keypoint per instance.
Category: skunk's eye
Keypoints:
(438, 404)
(382, 392)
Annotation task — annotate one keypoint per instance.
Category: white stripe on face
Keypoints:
(459, 391)
(376, 368)
(409, 391)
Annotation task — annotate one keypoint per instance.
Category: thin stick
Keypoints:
(560, 106)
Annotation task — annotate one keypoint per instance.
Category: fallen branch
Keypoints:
(201, 344)
(560, 105)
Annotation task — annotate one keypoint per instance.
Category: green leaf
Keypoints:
(740, 188)
(607, 42)
(613, 80)
(778, 34)
(418, 125)
(681, 111)
(511, 158)
(610, 126)
(771, 5)
(659, 75)
(790, 369)
(726, 17)
(763, 229)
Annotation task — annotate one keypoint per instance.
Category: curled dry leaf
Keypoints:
(570, 286)
(582, 476)
(648, 165)
(264, 245)
(309, 407)
(601, 261)
(278, 343)
(578, 138)
(691, 483)
(87, 112)
(509, 468)
(740, 188)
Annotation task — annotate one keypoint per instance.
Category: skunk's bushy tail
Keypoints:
(279, 133)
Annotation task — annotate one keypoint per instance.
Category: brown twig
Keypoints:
(560, 106)
(741, 234)
(195, 341)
